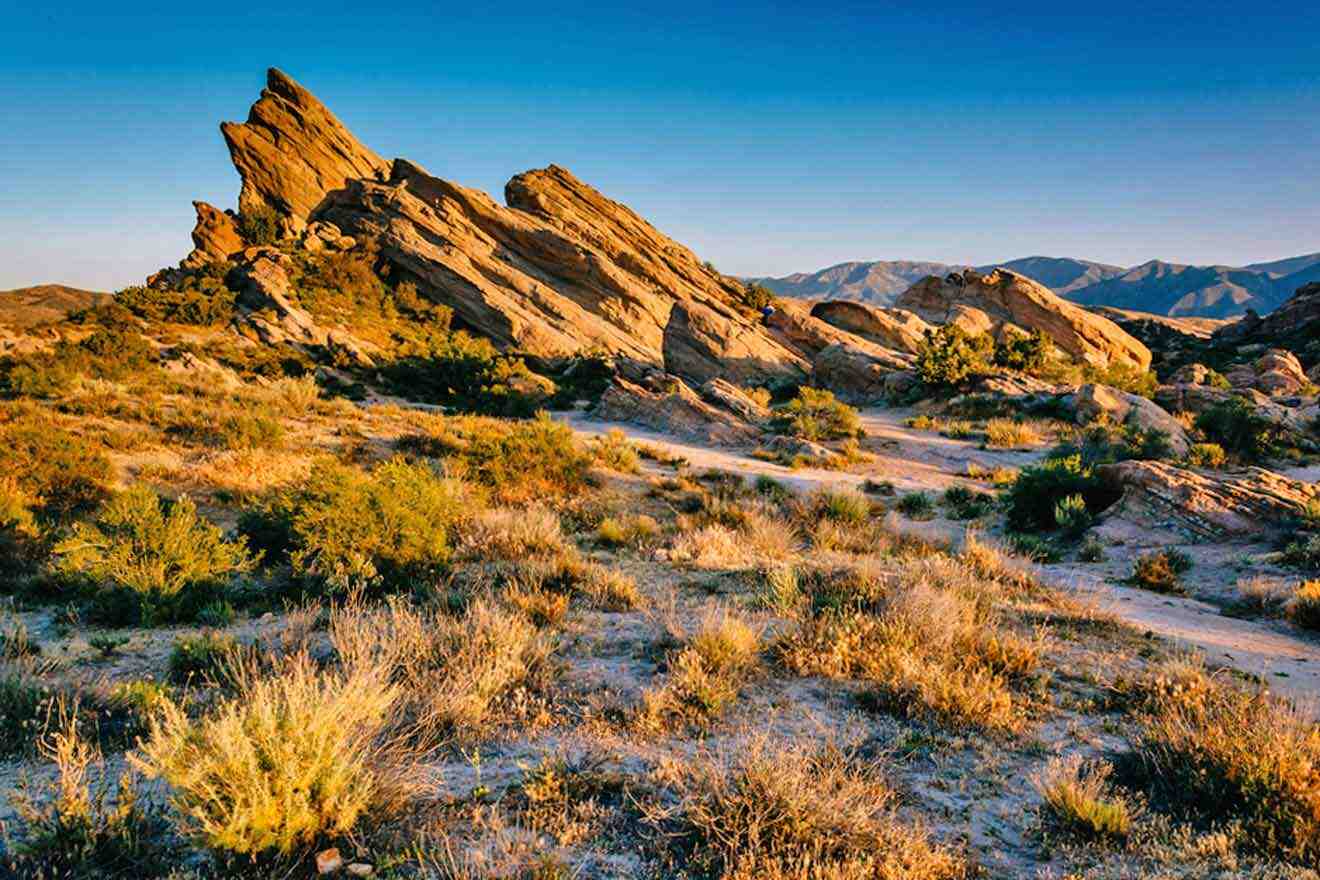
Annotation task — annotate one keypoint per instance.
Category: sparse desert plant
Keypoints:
(704, 674)
(1232, 755)
(614, 450)
(841, 505)
(816, 415)
(259, 225)
(963, 503)
(1033, 547)
(1092, 550)
(206, 657)
(293, 757)
(76, 828)
(640, 530)
(1071, 515)
(60, 474)
(295, 396)
(506, 533)
(1304, 552)
(146, 558)
(1237, 427)
(1011, 434)
(1161, 571)
(916, 505)
(1079, 800)
(1304, 607)
(1206, 455)
(795, 812)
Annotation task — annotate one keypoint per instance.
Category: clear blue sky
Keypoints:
(771, 137)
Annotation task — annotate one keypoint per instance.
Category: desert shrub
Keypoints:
(519, 461)
(704, 674)
(1033, 497)
(1092, 550)
(1239, 429)
(1011, 434)
(1304, 607)
(949, 356)
(207, 656)
(768, 487)
(1034, 547)
(199, 298)
(631, 531)
(509, 533)
(344, 528)
(149, 559)
(1161, 571)
(467, 373)
(76, 829)
(227, 426)
(963, 503)
(60, 474)
(20, 536)
(781, 813)
(1206, 455)
(916, 505)
(814, 414)
(841, 505)
(1304, 552)
(1079, 800)
(1124, 377)
(292, 758)
(756, 296)
(1071, 515)
(1024, 352)
(259, 225)
(457, 674)
(24, 701)
(1231, 755)
(616, 452)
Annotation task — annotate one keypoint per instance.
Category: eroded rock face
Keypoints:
(215, 237)
(292, 151)
(892, 328)
(671, 406)
(853, 374)
(1008, 298)
(1249, 505)
(1279, 373)
(1092, 402)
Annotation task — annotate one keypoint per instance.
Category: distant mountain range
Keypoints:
(1158, 287)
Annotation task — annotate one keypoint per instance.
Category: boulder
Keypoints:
(1253, 505)
(1191, 374)
(730, 397)
(1005, 297)
(1092, 402)
(1280, 374)
(671, 406)
(292, 151)
(892, 328)
(794, 326)
(852, 374)
(215, 237)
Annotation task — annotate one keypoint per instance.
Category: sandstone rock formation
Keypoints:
(1298, 315)
(215, 237)
(669, 405)
(1092, 402)
(1250, 505)
(892, 328)
(1008, 299)
(292, 151)
(854, 375)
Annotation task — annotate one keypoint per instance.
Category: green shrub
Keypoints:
(1206, 455)
(963, 503)
(1034, 547)
(227, 427)
(815, 415)
(949, 356)
(1071, 515)
(207, 656)
(23, 702)
(1091, 551)
(148, 559)
(1161, 571)
(199, 298)
(839, 505)
(1026, 353)
(468, 373)
(1080, 801)
(616, 452)
(916, 505)
(344, 528)
(1124, 377)
(259, 226)
(757, 296)
(1304, 607)
(61, 475)
(1238, 428)
(1035, 494)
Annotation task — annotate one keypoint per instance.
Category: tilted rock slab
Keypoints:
(892, 328)
(1251, 505)
(1009, 298)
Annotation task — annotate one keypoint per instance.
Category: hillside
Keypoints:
(26, 306)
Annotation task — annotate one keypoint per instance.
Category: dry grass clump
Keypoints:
(250, 471)
(615, 451)
(791, 813)
(628, 531)
(1304, 607)
(453, 673)
(294, 396)
(77, 829)
(1011, 434)
(506, 533)
(928, 642)
(1079, 800)
(292, 758)
(755, 537)
(150, 559)
(1161, 571)
(704, 672)
(1232, 755)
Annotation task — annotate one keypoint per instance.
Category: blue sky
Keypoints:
(771, 137)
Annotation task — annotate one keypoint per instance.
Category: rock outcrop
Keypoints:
(1092, 402)
(1008, 299)
(892, 328)
(292, 151)
(1298, 315)
(669, 405)
(1250, 505)
(215, 237)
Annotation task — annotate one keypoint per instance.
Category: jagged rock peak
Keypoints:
(292, 151)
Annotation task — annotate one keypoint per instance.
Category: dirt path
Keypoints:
(924, 461)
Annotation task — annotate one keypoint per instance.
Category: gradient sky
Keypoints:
(771, 137)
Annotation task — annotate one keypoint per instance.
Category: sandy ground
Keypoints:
(1285, 658)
